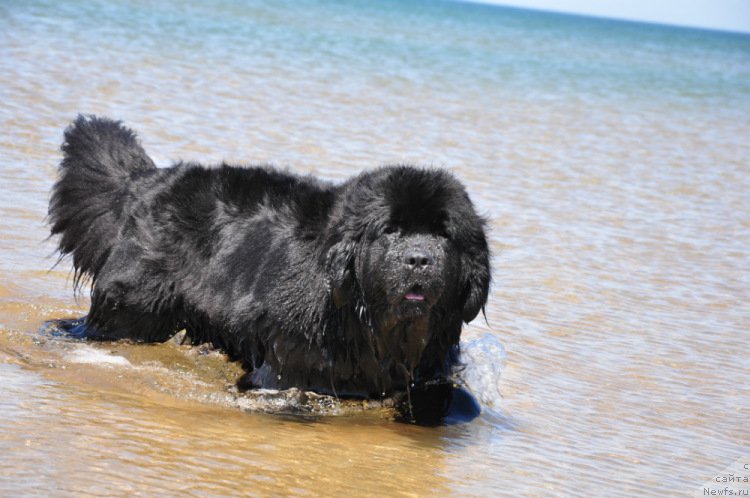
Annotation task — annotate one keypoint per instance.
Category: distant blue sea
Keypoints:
(496, 51)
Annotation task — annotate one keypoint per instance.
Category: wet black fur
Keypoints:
(285, 273)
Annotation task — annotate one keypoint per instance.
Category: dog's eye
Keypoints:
(439, 231)
(391, 229)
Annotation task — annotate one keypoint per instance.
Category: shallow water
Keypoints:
(611, 160)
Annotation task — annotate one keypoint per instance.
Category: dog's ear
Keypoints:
(466, 229)
(475, 276)
(340, 272)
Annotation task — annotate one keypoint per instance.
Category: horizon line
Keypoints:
(625, 19)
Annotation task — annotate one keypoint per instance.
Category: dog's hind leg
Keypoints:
(111, 321)
(129, 301)
(75, 328)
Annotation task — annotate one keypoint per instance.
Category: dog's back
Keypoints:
(101, 158)
(179, 247)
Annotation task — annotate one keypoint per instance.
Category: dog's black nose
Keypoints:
(417, 258)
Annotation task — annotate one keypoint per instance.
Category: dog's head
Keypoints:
(410, 256)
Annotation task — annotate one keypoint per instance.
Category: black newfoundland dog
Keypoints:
(356, 290)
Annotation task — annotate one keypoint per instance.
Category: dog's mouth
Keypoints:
(414, 302)
(415, 296)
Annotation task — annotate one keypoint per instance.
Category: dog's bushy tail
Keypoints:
(101, 157)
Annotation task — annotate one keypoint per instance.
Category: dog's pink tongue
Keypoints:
(412, 296)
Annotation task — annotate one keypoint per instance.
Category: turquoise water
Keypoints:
(611, 160)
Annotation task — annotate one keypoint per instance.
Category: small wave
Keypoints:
(92, 356)
(306, 403)
(483, 361)
(204, 374)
